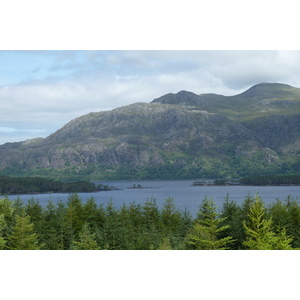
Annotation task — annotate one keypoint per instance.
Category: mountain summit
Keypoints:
(268, 91)
(176, 136)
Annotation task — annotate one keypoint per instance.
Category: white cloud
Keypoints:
(11, 130)
(77, 83)
(7, 129)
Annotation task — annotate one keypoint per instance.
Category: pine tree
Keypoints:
(232, 216)
(170, 216)
(259, 233)
(17, 206)
(7, 210)
(86, 240)
(204, 234)
(293, 224)
(165, 244)
(23, 236)
(90, 213)
(110, 230)
(171, 222)
(74, 218)
(128, 227)
(53, 225)
(2, 225)
(151, 228)
(35, 211)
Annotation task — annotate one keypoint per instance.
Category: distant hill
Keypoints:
(260, 100)
(176, 136)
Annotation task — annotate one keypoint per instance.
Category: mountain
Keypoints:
(260, 100)
(176, 136)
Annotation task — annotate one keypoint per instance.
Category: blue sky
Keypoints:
(40, 91)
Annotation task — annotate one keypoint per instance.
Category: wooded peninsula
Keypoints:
(34, 185)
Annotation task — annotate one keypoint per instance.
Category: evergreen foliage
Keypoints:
(232, 217)
(30, 185)
(271, 180)
(88, 226)
(204, 234)
(86, 240)
(165, 245)
(260, 235)
(2, 240)
(23, 236)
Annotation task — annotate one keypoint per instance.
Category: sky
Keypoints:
(41, 90)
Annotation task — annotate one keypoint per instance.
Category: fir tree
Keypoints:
(35, 211)
(52, 226)
(232, 216)
(2, 225)
(74, 218)
(23, 236)
(151, 229)
(7, 210)
(165, 245)
(86, 240)
(171, 220)
(204, 234)
(259, 233)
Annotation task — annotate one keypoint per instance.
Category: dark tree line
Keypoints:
(28, 185)
(88, 226)
(271, 180)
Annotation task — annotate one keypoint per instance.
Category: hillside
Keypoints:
(260, 100)
(181, 135)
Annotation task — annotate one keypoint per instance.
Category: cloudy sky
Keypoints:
(40, 91)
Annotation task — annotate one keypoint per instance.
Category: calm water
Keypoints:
(184, 195)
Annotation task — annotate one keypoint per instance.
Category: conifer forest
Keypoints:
(78, 225)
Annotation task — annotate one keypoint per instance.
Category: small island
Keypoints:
(138, 186)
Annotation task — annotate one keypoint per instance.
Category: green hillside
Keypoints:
(260, 100)
(176, 136)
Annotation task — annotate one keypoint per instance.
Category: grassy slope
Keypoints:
(258, 101)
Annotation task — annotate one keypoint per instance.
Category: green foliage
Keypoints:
(165, 245)
(271, 180)
(7, 212)
(53, 226)
(171, 222)
(286, 214)
(23, 236)
(86, 240)
(35, 211)
(232, 217)
(29, 185)
(204, 234)
(88, 226)
(259, 233)
(2, 225)
(176, 167)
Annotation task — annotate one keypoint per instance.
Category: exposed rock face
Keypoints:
(181, 130)
(278, 132)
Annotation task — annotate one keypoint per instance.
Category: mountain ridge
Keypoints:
(175, 136)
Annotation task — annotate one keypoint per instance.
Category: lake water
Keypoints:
(184, 194)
